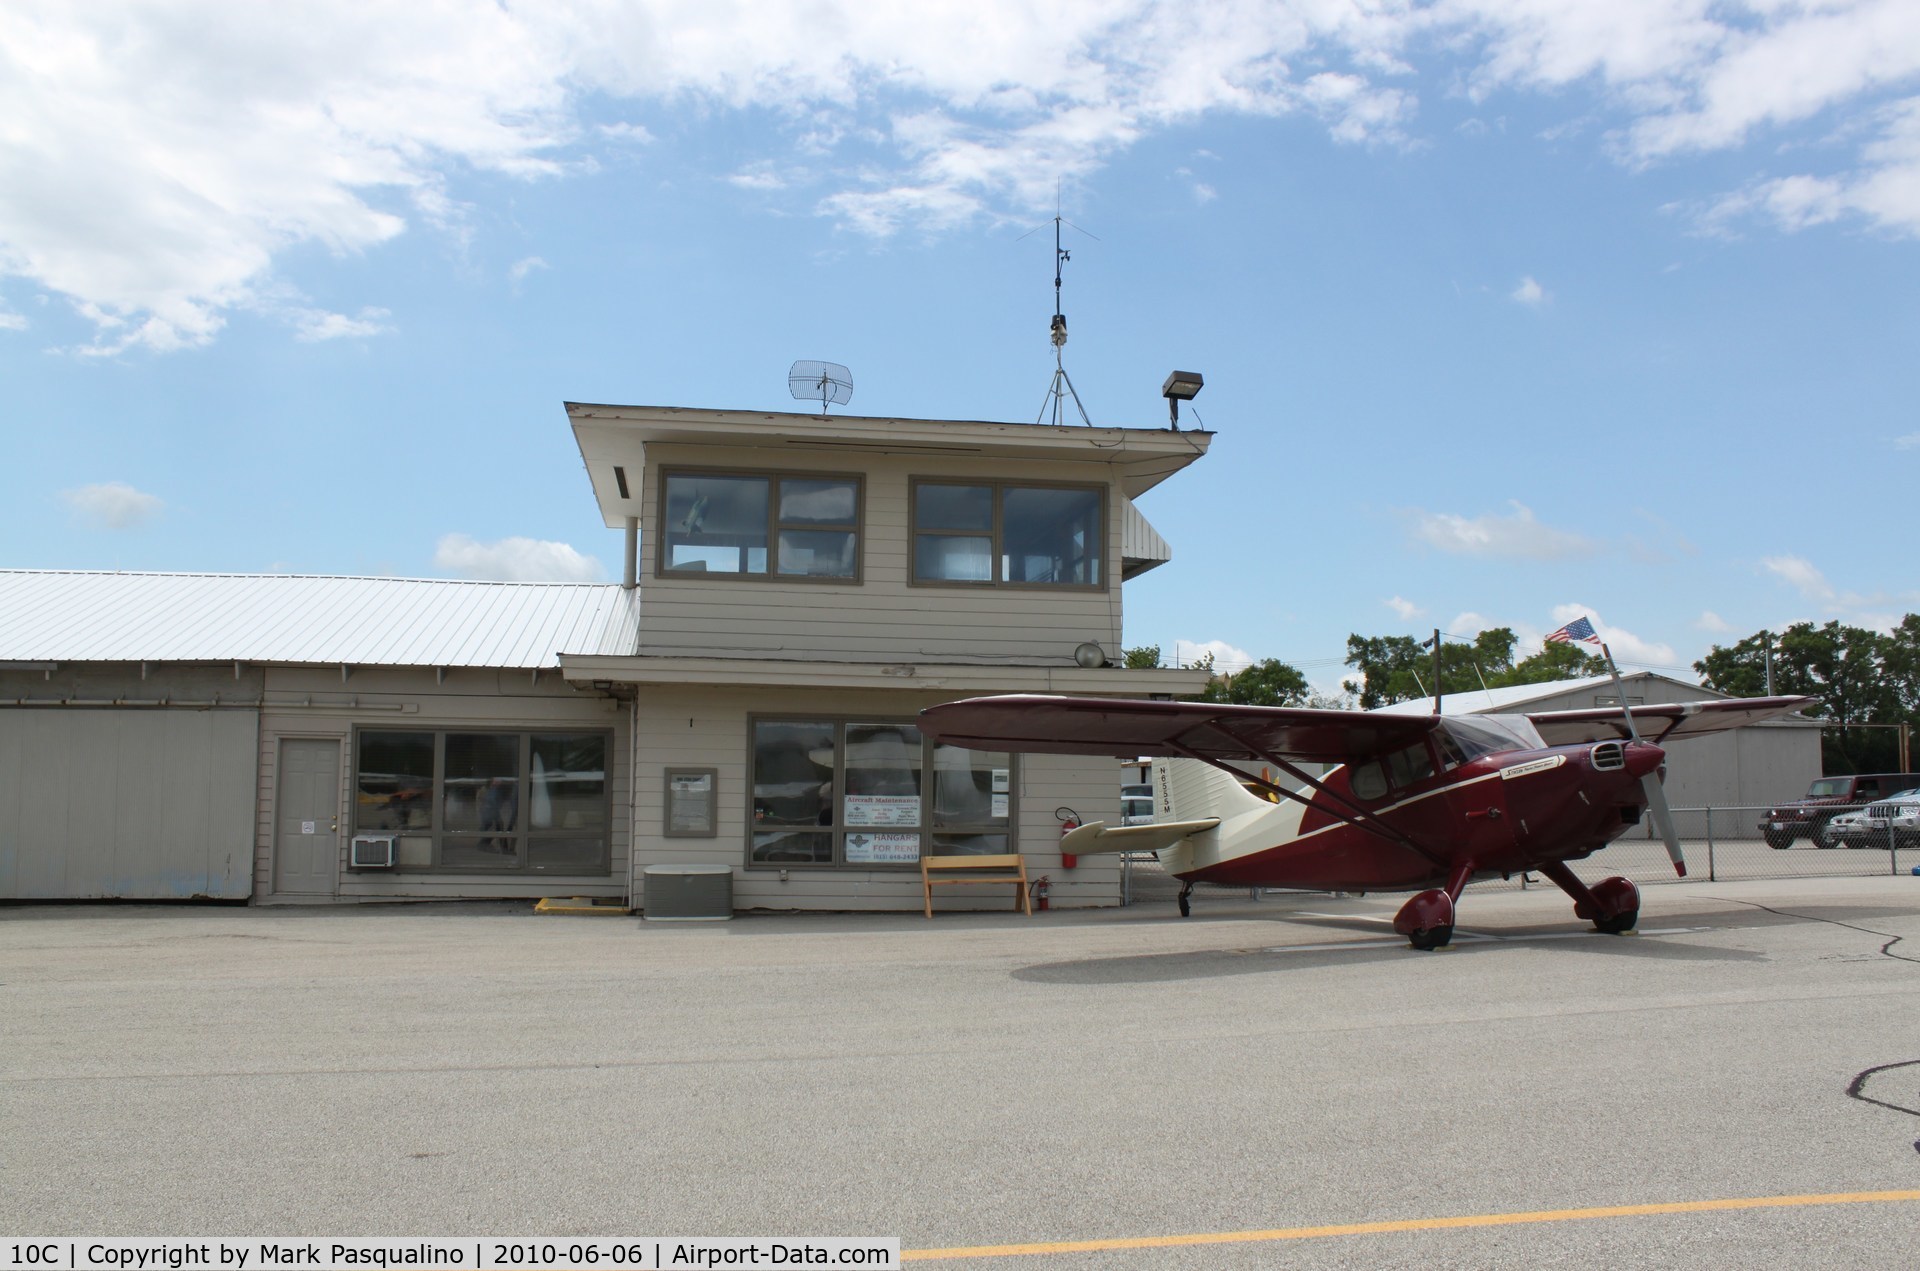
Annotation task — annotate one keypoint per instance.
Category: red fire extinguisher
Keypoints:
(1042, 888)
(1069, 822)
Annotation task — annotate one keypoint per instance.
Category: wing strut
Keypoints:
(1356, 816)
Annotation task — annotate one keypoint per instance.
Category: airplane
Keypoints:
(1421, 803)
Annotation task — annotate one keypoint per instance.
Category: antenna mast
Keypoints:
(1062, 386)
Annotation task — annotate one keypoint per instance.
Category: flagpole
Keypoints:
(1656, 793)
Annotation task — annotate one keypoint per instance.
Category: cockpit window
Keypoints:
(1394, 771)
(1487, 734)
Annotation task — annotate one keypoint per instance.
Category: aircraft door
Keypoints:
(1479, 811)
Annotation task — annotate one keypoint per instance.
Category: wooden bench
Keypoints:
(946, 871)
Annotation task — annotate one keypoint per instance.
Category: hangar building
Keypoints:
(796, 589)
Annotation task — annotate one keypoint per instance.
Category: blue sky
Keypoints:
(1509, 310)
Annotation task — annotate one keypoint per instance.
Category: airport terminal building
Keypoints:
(796, 588)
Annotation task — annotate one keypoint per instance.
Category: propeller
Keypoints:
(1656, 793)
(1662, 815)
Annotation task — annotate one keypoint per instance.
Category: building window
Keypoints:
(487, 802)
(1013, 535)
(755, 525)
(871, 794)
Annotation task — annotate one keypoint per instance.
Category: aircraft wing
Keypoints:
(1129, 729)
(1097, 836)
(1662, 721)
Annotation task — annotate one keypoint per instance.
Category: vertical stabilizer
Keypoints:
(1188, 790)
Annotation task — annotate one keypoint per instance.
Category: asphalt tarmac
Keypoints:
(1279, 1083)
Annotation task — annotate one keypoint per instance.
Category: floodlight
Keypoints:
(1181, 386)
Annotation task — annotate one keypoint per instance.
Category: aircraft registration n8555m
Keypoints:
(1413, 803)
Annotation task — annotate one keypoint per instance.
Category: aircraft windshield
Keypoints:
(1488, 734)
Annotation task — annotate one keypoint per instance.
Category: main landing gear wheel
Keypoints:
(1426, 920)
(1619, 902)
(1186, 906)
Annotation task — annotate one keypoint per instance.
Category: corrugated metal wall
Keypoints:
(132, 804)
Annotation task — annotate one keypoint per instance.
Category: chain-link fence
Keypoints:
(1721, 844)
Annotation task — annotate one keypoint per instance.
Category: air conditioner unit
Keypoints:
(371, 851)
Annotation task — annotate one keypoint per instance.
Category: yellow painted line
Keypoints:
(1408, 1224)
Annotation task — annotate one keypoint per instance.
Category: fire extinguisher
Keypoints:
(1042, 888)
(1069, 822)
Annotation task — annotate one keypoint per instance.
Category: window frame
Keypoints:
(838, 830)
(997, 532)
(523, 833)
(773, 477)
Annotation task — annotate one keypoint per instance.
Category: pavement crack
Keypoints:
(1856, 1089)
(1886, 950)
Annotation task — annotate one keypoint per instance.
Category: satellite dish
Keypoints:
(824, 382)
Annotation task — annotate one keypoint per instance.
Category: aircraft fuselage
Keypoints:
(1505, 813)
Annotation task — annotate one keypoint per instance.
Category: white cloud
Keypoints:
(518, 271)
(1226, 657)
(514, 560)
(1529, 293)
(158, 160)
(113, 505)
(758, 176)
(12, 321)
(1404, 609)
(1802, 575)
(1469, 624)
(1911, 441)
(1711, 621)
(634, 133)
(1519, 536)
(311, 325)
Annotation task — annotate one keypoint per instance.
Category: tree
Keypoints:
(1144, 658)
(1400, 669)
(1558, 661)
(1269, 682)
(1860, 677)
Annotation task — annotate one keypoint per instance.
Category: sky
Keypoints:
(1509, 310)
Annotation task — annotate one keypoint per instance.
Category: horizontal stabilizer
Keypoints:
(1095, 837)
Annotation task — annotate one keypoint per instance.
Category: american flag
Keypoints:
(1578, 629)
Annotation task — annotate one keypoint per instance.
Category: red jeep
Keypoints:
(1825, 799)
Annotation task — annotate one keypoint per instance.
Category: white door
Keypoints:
(306, 840)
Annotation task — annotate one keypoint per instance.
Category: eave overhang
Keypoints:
(616, 437)
(960, 679)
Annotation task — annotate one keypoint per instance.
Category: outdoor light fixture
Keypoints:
(1090, 655)
(1181, 386)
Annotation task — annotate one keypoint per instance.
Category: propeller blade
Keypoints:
(1663, 817)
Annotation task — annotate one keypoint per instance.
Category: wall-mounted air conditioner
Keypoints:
(371, 851)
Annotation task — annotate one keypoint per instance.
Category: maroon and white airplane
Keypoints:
(1421, 803)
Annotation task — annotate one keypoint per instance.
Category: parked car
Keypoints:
(1136, 803)
(1892, 822)
(1827, 798)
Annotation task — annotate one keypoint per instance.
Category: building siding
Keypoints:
(884, 618)
(709, 728)
(400, 700)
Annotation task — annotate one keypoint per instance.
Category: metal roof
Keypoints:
(84, 616)
(1514, 697)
